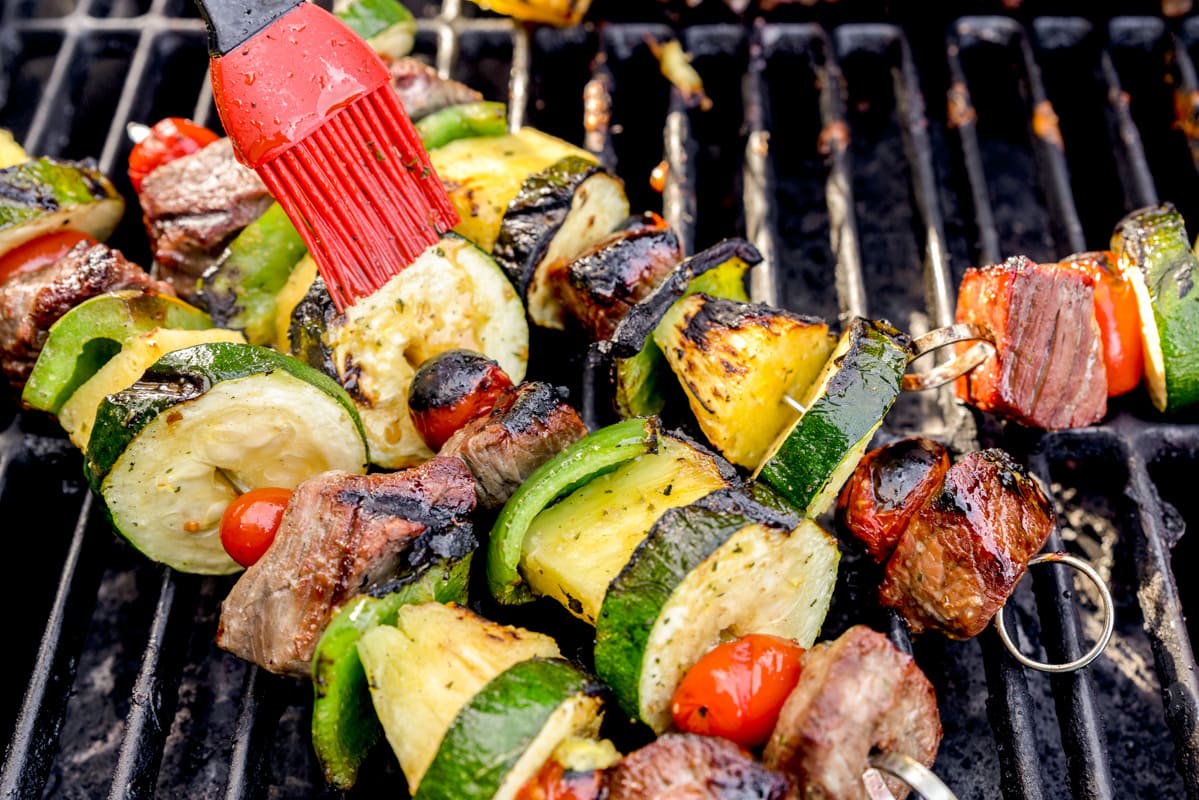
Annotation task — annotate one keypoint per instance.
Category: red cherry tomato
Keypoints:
(37, 253)
(737, 690)
(250, 522)
(169, 139)
(554, 783)
(1119, 320)
(451, 389)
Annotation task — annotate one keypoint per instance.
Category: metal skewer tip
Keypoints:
(791, 401)
(137, 132)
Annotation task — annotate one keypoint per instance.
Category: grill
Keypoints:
(872, 157)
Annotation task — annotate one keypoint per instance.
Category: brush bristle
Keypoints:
(363, 195)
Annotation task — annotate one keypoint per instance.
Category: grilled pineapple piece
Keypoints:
(736, 362)
(429, 666)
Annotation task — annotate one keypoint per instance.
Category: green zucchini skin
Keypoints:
(678, 543)
(492, 731)
(344, 725)
(239, 290)
(84, 338)
(857, 396)
(598, 452)
(44, 195)
(311, 317)
(185, 375)
(1154, 242)
(534, 216)
(483, 118)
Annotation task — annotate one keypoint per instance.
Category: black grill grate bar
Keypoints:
(248, 742)
(679, 148)
(963, 117)
(757, 175)
(1186, 95)
(34, 740)
(1131, 163)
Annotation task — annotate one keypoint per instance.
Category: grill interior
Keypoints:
(872, 156)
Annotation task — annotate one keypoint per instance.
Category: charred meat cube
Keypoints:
(1048, 370)
(681, 765)
(963, 553)
(33, 301)
(341, 535)
(194, 206)
(603, 283)
(529, 424)
(422, 91)
(856, 694)
(888, 486)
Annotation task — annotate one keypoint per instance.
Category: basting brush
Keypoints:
(309, 107)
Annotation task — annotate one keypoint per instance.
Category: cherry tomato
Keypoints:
(451, 389)
(37, 253)
(1119, 320)
(250, 522)
(737, 689)
(554, 783)
(169, 139)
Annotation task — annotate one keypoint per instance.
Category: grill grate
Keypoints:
(865, 199)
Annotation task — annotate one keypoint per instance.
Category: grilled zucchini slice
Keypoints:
(482, 175)
(204, 424)
(812, 459)
(640, 375)
(737, 362)
(574, 548)
(723, 566)
(1156, 255)
(558, 213)
(82, 340)
(452, 297)
(344, 726)
(123, 370)
(423, 671)
(503, 736)
(45, 195)
(241, 289)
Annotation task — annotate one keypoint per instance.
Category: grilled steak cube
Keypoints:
(855, 694)
(529, 425)
(612, 276)
(1048, 370)
(194, 206)
(422, 91)
(963, 553)
(341, 535)
(680, 765)
(31, 302)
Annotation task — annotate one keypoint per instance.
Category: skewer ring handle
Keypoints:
(914, 774)
(1109, 618)
(957, 366)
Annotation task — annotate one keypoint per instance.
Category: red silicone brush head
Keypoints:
(308, 105)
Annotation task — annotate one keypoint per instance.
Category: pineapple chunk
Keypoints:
(737, 361)
(425, 669)
(575, 548)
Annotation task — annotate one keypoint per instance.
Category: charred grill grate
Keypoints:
(871, 163)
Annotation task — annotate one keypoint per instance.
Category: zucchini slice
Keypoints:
(507, 731)
(812, 458)
(82, 340)
(452, 296)
(44, 195)
(558, 213)
(386, 25)
(596, 453)
(241, 289)
(344, 725)
(124, 369)
(462, 121)
(724, 566)
(640, 374)
(204, 424)
(482, 175)
(1156, 255)
(427, 668)
(737, 361)
(574, 549)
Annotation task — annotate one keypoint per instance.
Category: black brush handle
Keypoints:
(231, 22)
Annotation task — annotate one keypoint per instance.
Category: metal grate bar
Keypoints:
(962, 116)
(1131, 163)
(761, 224)
(678, 197)
(248, 746)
